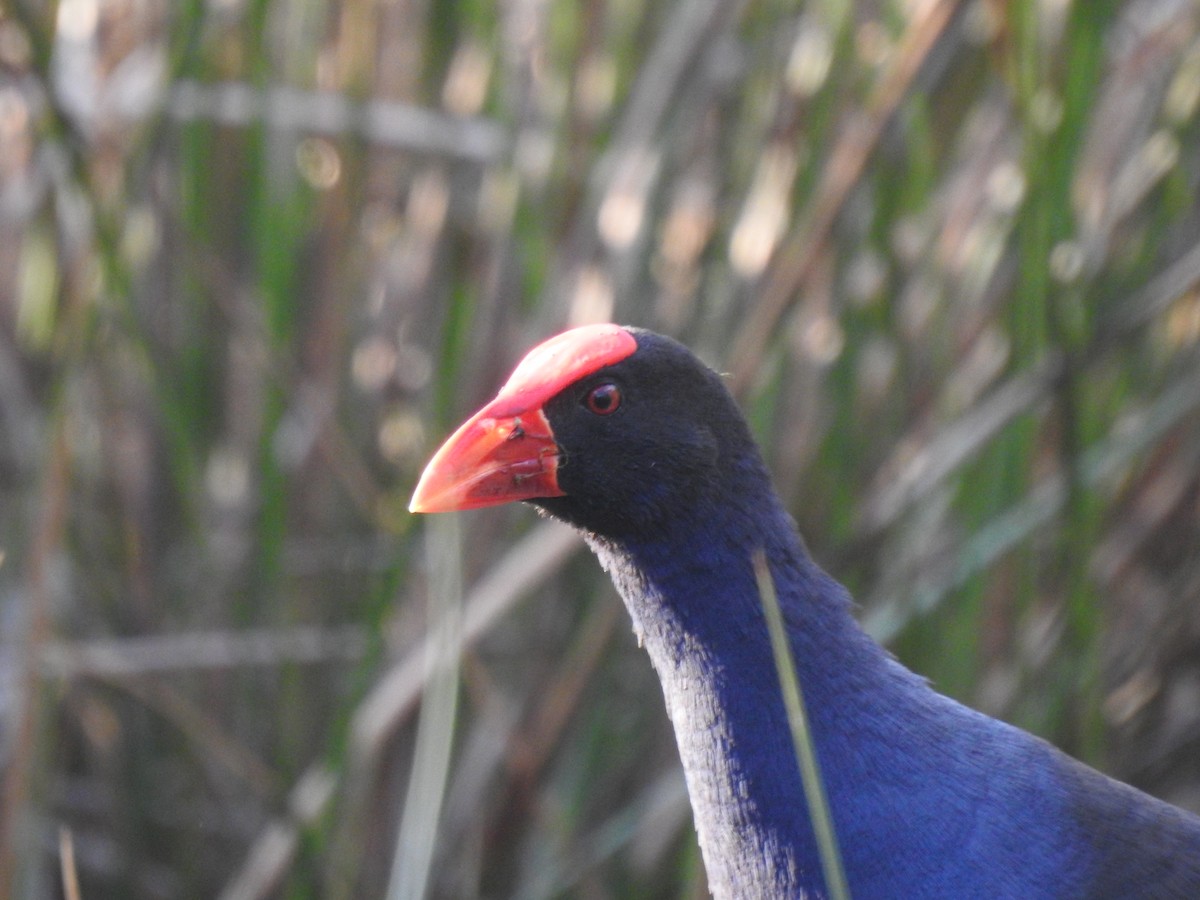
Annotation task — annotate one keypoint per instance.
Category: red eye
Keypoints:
(603, 399)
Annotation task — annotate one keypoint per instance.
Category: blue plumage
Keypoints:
(929, 798)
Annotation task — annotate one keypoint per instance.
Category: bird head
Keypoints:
(616, 430)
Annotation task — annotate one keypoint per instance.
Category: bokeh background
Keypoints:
(257, 257)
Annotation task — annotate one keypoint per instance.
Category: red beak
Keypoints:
(493, 458)
(506, 451)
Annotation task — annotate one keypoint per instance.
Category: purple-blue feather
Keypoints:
(929, 798)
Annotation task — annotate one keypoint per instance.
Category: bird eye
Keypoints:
(603, 399)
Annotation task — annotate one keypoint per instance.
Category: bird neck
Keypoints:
(695, 606)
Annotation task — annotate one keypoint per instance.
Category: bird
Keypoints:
(628, 437)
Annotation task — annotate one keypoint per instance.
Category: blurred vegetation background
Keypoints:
(257, 257)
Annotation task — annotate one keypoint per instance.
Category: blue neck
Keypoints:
(904, 768)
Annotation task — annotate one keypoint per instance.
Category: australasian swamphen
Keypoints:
(627, 436)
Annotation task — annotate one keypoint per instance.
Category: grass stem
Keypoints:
(806, 752)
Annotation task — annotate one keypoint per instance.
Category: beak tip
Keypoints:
(420, 495)
(420, 502)
(436, 495)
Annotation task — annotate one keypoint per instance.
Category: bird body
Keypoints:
(640, 446)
